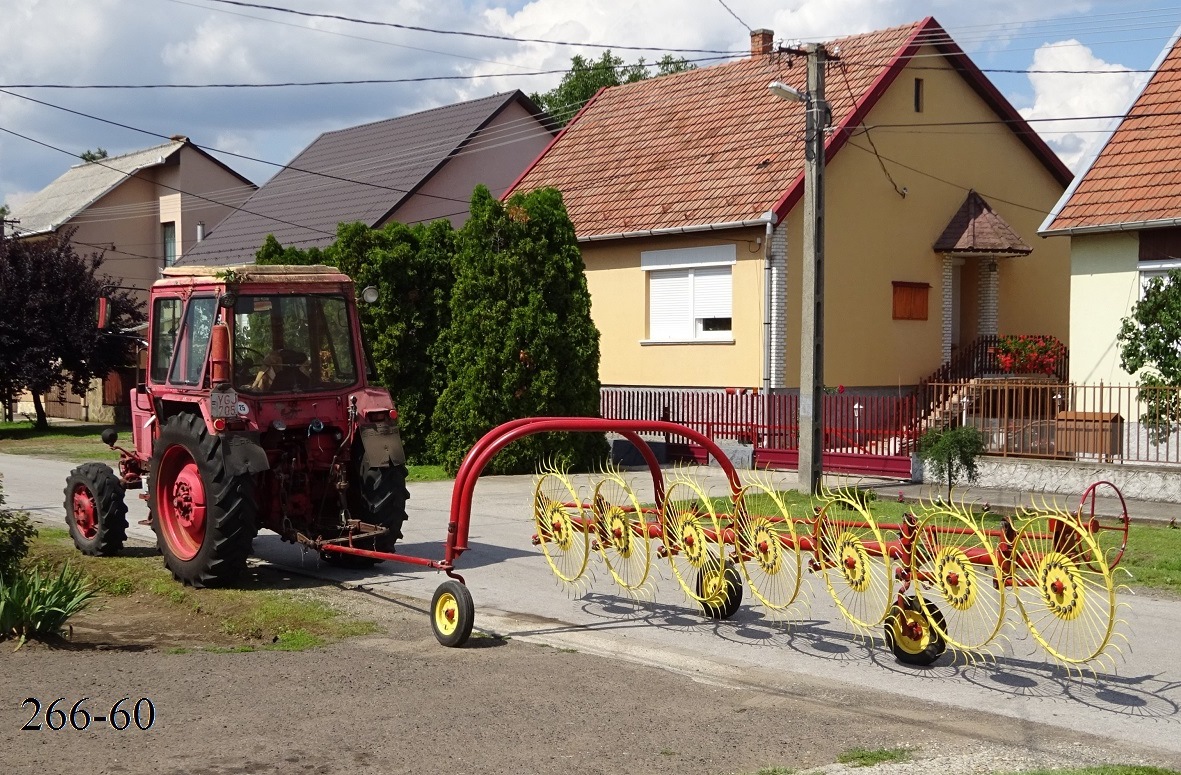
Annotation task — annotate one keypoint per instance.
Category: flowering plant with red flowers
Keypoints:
(1029, 354)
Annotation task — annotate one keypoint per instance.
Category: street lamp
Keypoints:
(812, 285)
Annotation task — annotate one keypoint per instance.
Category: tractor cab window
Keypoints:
(165, 327)
(286, 344)
(188, 364)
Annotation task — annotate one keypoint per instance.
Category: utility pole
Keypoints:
(812, 296)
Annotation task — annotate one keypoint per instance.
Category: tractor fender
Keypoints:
(382, 443)
(243, 454)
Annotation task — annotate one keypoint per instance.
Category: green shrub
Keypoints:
(16, 531)
(36, 603)
(952, 453)
(521, 342)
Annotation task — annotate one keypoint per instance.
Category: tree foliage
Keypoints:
(521, 341)
(587, 76)
(89, 155)
(411, 268)
(48, 333)
(952, 453)
(1149, 344)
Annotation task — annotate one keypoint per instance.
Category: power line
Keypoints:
(463, 33)
(736, 17)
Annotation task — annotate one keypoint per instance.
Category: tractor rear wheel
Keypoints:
(204, 518)
(378, 496)
(95, 510)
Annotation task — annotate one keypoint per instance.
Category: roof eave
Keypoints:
(1112, 228)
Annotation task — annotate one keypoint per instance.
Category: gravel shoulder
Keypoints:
(398, 702)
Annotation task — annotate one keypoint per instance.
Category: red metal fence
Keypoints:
(871, 434)
(862, 433)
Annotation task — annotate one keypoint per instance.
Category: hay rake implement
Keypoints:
(944, 577)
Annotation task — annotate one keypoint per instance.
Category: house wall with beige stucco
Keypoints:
(1105, 283)
(875, 235)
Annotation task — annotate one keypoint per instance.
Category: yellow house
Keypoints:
(685, 192)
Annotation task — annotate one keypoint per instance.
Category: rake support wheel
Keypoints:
(914, 631)
(452, 614)
(719, 585)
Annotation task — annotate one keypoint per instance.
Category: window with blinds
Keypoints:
(690, 293)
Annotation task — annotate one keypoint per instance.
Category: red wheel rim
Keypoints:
(180, 503)
(85, 511)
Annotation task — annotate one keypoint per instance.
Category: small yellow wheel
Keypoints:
(768, 546)
(956, 567)
(853, 560)
(561, 523)
(914, 631)
(693, 542)
(452, 613)
(1064, 587)
(621, 529)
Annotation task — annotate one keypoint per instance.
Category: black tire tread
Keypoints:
(231, 512)
(112, 509)
(467, 613)
(379, 496)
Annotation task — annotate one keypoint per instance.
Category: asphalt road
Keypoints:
(1138, 703)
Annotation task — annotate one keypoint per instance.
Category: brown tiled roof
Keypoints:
(713, 145)
(976, 228)
(1137, 176)
(356, 174)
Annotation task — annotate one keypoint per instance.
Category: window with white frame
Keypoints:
(690, 293)
(1152, 269)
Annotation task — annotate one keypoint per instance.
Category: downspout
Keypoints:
(767, 278)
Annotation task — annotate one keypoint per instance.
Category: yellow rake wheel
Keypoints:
(1064, 587)
(768, 546)
(561, 524)
(692, 542)
(853, 560)
(955, 569)
(621, 528)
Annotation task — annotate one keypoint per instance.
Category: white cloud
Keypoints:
(1107, 92)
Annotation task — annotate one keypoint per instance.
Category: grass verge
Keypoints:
(77, 443)
(288, 619)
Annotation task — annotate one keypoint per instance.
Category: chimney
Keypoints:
(761, 42)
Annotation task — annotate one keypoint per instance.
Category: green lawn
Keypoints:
(77, 443)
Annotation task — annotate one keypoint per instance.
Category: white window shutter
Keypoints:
(712, 293)
(670, 315)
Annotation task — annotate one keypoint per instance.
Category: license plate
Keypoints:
(223, 404)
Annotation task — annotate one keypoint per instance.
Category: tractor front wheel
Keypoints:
(204, 518)
(95, 510)
(452, 614)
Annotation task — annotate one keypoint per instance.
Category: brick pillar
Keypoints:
(988, 296)
(778, 331)
(947, 305)
(761, 42)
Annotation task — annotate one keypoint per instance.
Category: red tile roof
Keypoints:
(713, 146)
(1136, 178)
(976, 228)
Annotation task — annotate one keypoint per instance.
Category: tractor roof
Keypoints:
(254, 273)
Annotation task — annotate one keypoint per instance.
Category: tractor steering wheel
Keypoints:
(243, 366)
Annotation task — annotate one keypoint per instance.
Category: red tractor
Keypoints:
(256, 411)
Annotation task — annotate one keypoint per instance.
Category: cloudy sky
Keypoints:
(52, 43)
